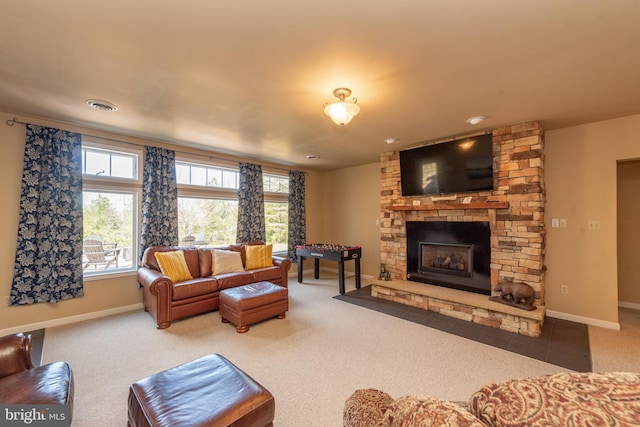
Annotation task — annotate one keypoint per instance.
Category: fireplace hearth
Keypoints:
(455, 255)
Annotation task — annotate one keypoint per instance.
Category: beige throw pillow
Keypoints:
(226, 262)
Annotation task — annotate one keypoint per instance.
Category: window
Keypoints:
(276, 210)
(276, 217)
(111, 190)
(107, 163)
(275, 184)
(206, 176)
(108, 231)
(208, 205)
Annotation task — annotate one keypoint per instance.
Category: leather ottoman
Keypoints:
(252, 303)
(210, 391)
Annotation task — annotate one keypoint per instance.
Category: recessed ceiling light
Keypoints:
(476, 119)
(99, 104)
(390, 140)
(312, 157)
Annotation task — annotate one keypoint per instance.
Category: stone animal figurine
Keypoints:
(517, 293)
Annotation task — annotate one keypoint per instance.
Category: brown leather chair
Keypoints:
(23, 382)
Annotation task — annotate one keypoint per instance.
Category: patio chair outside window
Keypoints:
(95, 254)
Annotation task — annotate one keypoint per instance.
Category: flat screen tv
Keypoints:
(452, 167)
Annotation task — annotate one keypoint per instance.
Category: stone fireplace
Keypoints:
(514, 215)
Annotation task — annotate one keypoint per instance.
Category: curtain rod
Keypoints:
(13, 121)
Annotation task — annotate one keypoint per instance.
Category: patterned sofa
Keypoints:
(168, 299)
(566, 399)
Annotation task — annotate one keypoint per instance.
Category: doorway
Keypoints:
(628, 234)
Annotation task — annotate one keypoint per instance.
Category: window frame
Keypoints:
(117, 185)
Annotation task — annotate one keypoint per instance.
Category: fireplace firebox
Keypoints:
(446, 258)
(451, 254)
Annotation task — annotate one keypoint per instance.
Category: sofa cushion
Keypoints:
(231, 280)
(268, 274)
(47, 384)
(194, 288)
(173, 265)
(226, 262)
(414, 411)
(258, 256)
(577, 399)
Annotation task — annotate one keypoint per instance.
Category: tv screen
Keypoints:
(464, 165)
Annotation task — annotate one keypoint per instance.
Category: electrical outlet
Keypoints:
(593, 225)
(563, 223)
(564, 290)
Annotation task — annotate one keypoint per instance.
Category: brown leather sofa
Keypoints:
(21, 382)
(167, 301)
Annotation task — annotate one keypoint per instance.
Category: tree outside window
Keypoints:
(210, 222)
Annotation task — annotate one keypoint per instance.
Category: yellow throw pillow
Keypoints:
(174, 265)
(258, 256)
(226, 262)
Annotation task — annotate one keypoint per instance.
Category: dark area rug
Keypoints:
(562, 343)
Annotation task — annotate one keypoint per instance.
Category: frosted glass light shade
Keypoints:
(341, 112)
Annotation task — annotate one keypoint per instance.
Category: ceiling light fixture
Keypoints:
(341, 112)
(476, 119)
(99, 104)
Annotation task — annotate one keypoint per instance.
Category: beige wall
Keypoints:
(351, 213)
(580, 176)
(314, 207)
(112, 295)
(629, 233)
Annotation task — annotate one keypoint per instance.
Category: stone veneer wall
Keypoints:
(517, 221)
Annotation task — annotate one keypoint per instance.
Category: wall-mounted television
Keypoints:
(459, 166)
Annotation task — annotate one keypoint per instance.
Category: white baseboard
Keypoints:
(71, 319)
(631, 305)
(585, 320)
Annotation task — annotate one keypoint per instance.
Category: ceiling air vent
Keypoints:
(99, 104)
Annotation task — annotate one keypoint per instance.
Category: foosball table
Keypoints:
(337, 253)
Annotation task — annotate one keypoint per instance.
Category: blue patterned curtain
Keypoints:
(48, 265)
(159, 199)
(297, 217)
(250, 204)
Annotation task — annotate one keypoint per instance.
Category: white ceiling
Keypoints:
(250, 77)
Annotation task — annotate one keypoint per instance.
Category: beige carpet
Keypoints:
(617, 350)
(311, 361)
